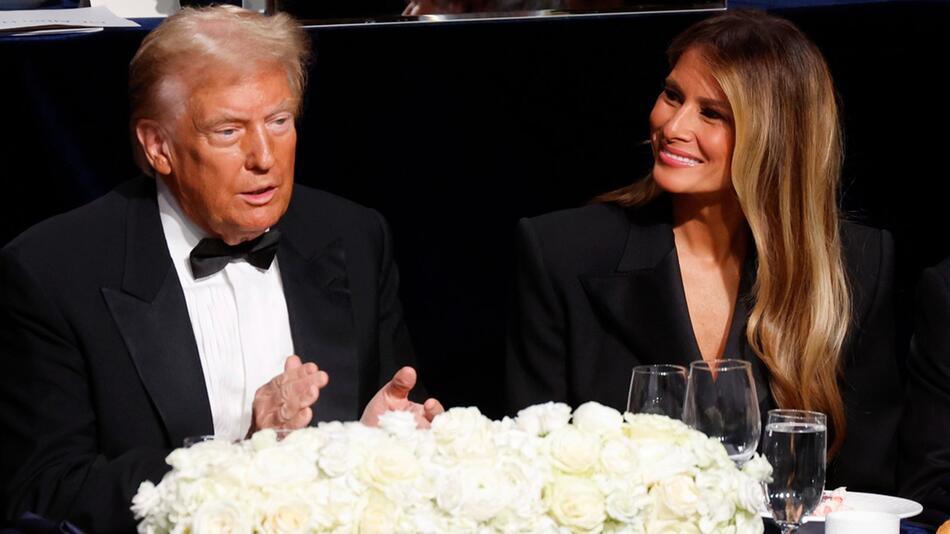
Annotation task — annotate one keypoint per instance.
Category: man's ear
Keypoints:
(152, 138)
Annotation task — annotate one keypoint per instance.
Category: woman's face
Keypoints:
(692, 131)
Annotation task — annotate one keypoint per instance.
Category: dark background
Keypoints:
(455, 130)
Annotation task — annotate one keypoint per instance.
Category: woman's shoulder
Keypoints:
(582, 221)
(591, 238)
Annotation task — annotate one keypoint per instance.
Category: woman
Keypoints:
(731, 248)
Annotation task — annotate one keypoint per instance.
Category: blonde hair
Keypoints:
(223, 35)
(785, 170)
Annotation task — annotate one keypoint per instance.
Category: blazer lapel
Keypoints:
(152, 316)
(643, 302)
(313, 273)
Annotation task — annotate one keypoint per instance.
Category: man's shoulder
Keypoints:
(866, 248)
(317, 204)
(316, 217)
(81, 231)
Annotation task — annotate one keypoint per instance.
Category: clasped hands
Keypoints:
(285, 401)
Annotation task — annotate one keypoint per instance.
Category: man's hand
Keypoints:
(285, 401)
(395, 396)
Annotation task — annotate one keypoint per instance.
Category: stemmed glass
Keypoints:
(657, 389)
(721, 403)
(795, 444)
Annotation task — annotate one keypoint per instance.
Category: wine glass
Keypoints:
(721, 403)
(794, 444)
(657, 389)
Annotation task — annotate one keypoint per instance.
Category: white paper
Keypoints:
(139, 8)
(46, 19)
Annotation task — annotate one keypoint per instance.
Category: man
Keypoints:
(924, 472)
(204, 299)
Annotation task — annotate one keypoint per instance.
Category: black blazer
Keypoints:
(925, 467)
(99, 370)
(599, 290)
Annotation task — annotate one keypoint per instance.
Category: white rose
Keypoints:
(338, 458)
(658, 460)
(390, 463)
(398, 423)
(146, 500)
(308, 439)
(277, 466)
(485, 492)
(576, 503)
(463, 433)
(637, 527)
(749, 523)
(542, 419)
(203, 458)
(758, 468)
(573, 451)
(218, 516)
(526, 483)
(619, 456)
(597, 419)
(286, 516)
(264, 439)
(678, 495)
(716, 504)
(749, 495)
(628, 503)
(672, 526)
(709, 452)
(422, 518)
(656, 427)
(378, 515)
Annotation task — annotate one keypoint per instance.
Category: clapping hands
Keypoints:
(395, 396)
(286, 400)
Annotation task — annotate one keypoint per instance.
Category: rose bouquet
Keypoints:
(546, 470)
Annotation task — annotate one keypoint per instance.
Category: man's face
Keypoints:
(231, 151)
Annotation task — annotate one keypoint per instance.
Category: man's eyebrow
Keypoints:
(287, 106)
(218, 119)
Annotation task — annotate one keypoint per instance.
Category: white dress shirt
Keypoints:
(239, 316)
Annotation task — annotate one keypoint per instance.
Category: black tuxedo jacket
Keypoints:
(599, 291)
(925, 468)
(99, 370)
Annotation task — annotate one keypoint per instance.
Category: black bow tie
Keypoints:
(211, 254)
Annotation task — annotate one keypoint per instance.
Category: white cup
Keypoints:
(854, 522)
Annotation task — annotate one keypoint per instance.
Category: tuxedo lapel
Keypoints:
(152, 316)
(313, 271)
(642, 301)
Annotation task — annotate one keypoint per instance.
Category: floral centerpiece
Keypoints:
(547, 470)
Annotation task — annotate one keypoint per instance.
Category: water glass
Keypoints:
(721, 402)
(657, 389)
(795, 444)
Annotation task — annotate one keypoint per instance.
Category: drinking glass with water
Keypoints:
(795, 443)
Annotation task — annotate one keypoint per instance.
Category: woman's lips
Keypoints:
(676, 158)
(259, 197)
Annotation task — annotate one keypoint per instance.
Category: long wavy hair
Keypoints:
(785, 170)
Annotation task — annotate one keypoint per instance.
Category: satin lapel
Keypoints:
(643, 302)
(321, 319)
(152, 317)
